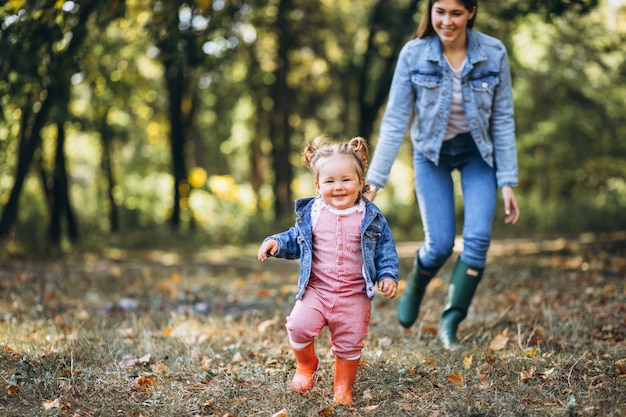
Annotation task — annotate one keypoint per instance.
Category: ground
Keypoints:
(201, 333)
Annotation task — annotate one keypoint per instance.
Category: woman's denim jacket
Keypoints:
(380, 259)
(422, 82)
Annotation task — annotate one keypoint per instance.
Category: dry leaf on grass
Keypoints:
(143, 383)
(326, 411)
(527, 374)
(371, 408)
(282, 413)
(621, 366)
(265, 325)
(499, 342)
(130, 362)
(467, 362)
(455, 379)
(237, 358)
(428, 329)
(384, 341)
(51, 404)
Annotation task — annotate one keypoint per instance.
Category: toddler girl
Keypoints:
(345, 249)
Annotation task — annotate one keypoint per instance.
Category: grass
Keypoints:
(201, 333)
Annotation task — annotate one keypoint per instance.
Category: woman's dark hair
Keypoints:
(425, 29)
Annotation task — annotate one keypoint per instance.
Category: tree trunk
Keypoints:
(107, 167)
(280, 131)
(374, 87)
(31, 125)
(60, 195)
(30, 139)
(175, 84)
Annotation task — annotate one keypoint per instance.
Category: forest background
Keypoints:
(121, 121)
(146, 147)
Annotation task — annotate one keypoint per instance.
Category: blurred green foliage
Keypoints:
(569, 74)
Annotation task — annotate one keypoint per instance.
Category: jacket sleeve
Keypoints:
(386, 258)
(503, 127)
(288, 246)
(395, 122)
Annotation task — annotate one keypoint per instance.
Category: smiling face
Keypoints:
(449, 19)
(338, 182)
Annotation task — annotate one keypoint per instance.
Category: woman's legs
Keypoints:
(434, 189)
(435, 195)
(478, 181)
(479, 187)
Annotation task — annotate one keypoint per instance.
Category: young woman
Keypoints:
(345, 249)
(452, 85)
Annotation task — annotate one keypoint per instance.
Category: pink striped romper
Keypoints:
(335, 294)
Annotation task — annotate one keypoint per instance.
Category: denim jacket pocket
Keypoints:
(426, 86)
(483, 88)
(370, 237)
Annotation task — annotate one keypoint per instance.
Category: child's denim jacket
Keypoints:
(380, 259)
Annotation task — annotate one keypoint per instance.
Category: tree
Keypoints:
(54, 34)
(190, 35)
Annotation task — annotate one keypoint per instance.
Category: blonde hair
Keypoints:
(321, 147)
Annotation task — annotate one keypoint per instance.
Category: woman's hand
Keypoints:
(388, 287)
(511, 209)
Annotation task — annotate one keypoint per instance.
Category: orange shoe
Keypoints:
(345, 375)
(306, 365)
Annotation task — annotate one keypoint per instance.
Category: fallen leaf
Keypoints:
(371, 407)
(621, 366)
(430, 361)
(545, 374)
(126, 333)
(531, 352)
(499, 342)
(367, 395)
(429, 329)
(527, 374)
(49, 405)
(326, 411)
(467, 362)
(206, 363)
(167, 331)
(384, 341)
(143, 383)
(455, 379)
(160, 368)
(144, 358)
(263, 326)
(281, 413)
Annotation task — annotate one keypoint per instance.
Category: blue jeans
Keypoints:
(434, 188)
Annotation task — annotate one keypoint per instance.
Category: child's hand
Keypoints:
(269, 246)
(388, 287)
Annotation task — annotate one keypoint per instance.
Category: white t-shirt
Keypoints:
(457, 122)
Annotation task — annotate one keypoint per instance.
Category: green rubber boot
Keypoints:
(409, 305)
(463, 283)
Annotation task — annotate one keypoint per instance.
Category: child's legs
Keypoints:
(306, 320)
(348, 324)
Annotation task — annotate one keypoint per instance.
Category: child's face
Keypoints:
(338, 182)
